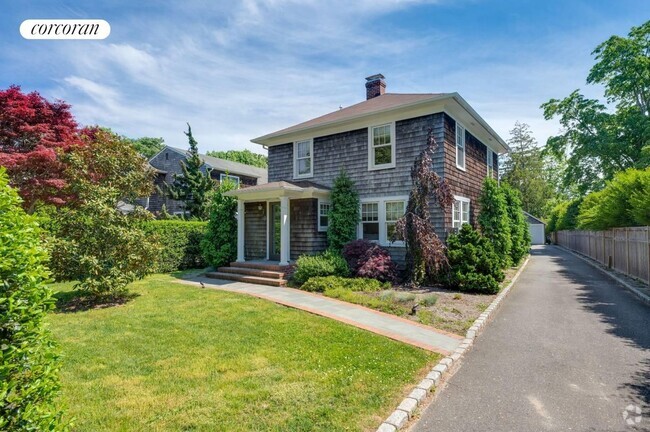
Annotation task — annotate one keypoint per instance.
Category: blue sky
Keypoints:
(238, 70)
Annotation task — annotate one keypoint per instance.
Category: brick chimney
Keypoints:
(375, 86)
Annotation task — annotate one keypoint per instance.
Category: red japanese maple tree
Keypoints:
(33, 133)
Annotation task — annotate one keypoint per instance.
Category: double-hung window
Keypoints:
(379, 217)
(232, 178)
(303, 159)
(460, 146)
(460, 212)
(323, 215)
(490, 163)
(394, 211)
(381, 147)
(370, 221)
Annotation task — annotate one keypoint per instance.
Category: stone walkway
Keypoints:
(381, 323)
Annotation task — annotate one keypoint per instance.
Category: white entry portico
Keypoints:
(272, 193)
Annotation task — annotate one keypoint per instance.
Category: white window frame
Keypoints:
(490, 164)
(318, 215)
(378, 221)
(234, 178)
(311, 159)
(371, 147)
(381, 209)
(460, 144)
(460, 200)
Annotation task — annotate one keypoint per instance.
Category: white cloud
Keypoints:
(264, 65)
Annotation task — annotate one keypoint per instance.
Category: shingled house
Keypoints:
(167, 163)
(376, 141)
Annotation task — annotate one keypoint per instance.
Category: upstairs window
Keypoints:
(460, 146)
(460, 212)
(370, 221)
(323, 215)
(232, 178)
(490, 163)
(303, 161)
(381, 152)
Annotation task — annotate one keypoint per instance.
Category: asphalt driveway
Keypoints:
(569, 350)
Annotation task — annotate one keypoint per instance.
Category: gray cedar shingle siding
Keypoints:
(255, 231)
(349, 151)
(466, 183)
(305, 237)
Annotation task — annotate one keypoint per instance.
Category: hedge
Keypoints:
(29, 363)
(180, 241)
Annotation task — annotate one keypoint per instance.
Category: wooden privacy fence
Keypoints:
(626, 250)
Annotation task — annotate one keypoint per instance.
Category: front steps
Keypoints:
(251, 272)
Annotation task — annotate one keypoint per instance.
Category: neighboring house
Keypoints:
(537, 229)
(167, 163)
(375, 142)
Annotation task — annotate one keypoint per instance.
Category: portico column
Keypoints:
(284, 231)
(240, 231)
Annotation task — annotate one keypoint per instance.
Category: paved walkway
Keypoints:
(377, 322)
(569, 350)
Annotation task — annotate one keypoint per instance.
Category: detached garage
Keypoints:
(536, 228)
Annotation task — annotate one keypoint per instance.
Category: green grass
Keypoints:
(181, 358)
(384, 302)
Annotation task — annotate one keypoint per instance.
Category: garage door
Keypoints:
(537, 233)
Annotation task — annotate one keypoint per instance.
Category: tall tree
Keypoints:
(34, 132)
(245, 156)
(148, 146)
(194, 185)
(599, 143)
(528, 170)
(425, 252)
(28, 362)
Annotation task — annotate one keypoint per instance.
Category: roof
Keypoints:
(389, 107)
(292, 189)
(229, 166)
(532, 219)
(379, 103)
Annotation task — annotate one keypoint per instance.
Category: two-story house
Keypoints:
(167, 164)
(376, 142)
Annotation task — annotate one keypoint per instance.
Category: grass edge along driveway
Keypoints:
(181, 358)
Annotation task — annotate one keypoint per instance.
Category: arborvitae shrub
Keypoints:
(494, 221)
(344, 213)
(519, 232)
(474, 265)
(28, 363)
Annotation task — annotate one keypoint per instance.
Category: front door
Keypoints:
(275, 221)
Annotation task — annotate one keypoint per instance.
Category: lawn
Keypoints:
(178, 357)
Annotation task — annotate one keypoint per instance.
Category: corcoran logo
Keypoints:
(65, 29)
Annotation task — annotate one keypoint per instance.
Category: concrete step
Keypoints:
(252, 272)
(259, 266)
(247, 279)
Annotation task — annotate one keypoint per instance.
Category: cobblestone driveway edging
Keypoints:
(440, 372)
